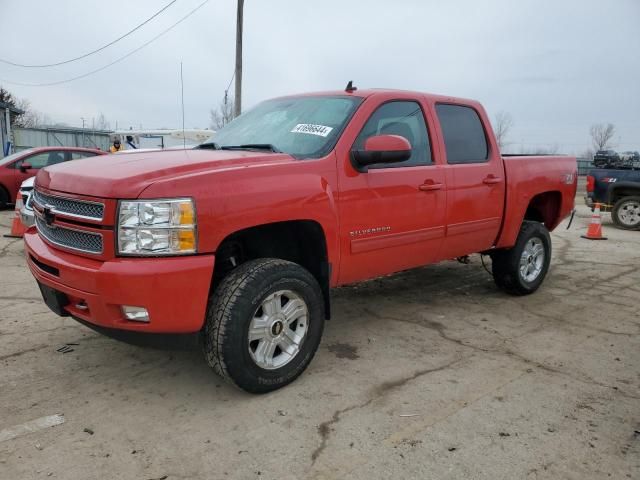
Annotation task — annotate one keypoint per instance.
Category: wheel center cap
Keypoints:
(276, 328)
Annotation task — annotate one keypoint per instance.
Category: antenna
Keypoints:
(350, 88)
(184, 139)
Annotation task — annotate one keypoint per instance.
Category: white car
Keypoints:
(26, 212)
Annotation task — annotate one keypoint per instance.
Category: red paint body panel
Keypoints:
(374, 223)
(174, 290)
(531, 176)
(11, 178)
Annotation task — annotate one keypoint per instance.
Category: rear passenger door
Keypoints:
(475, 181)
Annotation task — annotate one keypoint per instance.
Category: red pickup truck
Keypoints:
(241, 239)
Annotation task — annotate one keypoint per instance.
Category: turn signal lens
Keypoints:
(186, 213)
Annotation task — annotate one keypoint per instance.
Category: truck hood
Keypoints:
(126, 176)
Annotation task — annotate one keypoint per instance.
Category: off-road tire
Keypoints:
(231, 308)
(506, 263)
(616, 212)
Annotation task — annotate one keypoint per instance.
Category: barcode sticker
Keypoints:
(310, 129)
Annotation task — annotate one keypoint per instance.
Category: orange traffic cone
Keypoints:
(17, 227)
(594, 232)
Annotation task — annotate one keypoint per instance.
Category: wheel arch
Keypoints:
(300, 241)
(545, 208)
(6, 192)
(619, 190)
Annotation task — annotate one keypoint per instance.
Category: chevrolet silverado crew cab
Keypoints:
(241, 239)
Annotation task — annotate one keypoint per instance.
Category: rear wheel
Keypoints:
(522, 269)
(264, 324)
(626, 213)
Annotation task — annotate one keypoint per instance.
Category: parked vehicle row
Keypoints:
(239, 241)
(613, 159)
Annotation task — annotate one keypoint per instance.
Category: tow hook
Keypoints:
(573, 212)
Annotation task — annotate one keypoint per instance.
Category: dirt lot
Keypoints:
(432, 373)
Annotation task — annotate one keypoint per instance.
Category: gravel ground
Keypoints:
(432, 373)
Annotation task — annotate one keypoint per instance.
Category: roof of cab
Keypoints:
(387, 93)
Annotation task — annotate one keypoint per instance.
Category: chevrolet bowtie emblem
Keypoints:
(48, 215)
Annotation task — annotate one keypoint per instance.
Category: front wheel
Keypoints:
(626, 213)
(264, 324)
(521, 269)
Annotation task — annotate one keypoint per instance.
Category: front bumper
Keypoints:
(174, 290)
(27, 217)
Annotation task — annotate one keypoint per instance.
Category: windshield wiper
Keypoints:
(251, 146)
(209, 145)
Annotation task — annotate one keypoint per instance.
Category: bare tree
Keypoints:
(7, 97)
(502, 124)
(551, 149)
(588, 154)
(601, 135)
(102, 123)
(30, 117)
(222, 115)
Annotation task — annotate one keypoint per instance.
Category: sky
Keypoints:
(556, 67)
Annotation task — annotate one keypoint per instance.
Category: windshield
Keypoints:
(10, 158)
(304, 127)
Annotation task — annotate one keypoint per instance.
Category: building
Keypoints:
(8, 114)
(59, 136)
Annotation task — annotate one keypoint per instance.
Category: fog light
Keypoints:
(136, 314)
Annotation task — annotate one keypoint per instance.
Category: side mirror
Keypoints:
(381, 149)
(24, 166)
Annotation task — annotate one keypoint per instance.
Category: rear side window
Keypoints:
(399, 118)
(464, 137)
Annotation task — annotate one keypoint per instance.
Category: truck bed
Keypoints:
(526, 177)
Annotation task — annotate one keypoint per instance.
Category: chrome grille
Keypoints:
(67, 206)
(74, 239)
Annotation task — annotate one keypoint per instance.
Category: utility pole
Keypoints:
(238, 73)
(83, 143)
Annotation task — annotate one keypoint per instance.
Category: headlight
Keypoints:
(157, 227)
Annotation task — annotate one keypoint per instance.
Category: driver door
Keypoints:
(392, 216)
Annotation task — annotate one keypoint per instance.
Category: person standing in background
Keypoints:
(116, 147)
(130, 142)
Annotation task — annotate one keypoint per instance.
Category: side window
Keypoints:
(36, 161)
(79, 155)
(399, 118)
(464, 137)
(56, 157)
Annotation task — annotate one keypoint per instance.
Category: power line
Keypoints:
(112, 63)
(93, 51)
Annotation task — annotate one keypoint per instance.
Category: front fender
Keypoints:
(228, 201)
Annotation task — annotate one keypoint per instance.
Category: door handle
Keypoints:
(430, 187)
(491, 180)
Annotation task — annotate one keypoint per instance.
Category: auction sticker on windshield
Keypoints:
(319, 130)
